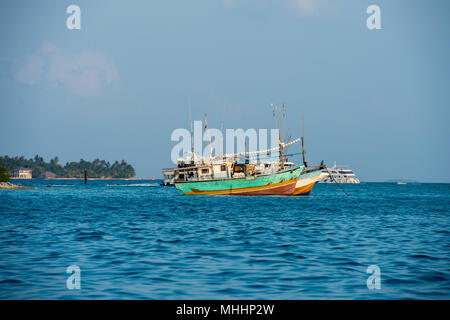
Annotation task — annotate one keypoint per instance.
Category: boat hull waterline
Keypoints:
(307, 180)
(281, 183)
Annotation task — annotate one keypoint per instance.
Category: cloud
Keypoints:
(227, 3)
(84, 74)
(298, 8)
(29, 71)
(49, 48)
(303, 7)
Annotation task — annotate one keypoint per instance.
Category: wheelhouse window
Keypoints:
(205, 170)
(223, 167)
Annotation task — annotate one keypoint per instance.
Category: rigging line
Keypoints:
(263, 151)
(337, 182)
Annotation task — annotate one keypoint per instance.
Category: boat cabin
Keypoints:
(214, 171)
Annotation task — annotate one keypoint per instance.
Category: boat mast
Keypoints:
(283, 134)
(192, 135)
(278, 124)
(206, 130)
(303, 139)
(221, 140)
(247, 158)
(280, 140)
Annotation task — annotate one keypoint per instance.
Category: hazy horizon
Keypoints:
(375, 100)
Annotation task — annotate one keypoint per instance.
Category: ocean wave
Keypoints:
(134, 185)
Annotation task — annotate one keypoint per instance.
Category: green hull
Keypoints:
(281, 183)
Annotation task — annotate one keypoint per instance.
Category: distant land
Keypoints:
(96, 169)
(402, 180)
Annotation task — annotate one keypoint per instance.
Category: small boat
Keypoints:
(401, 182)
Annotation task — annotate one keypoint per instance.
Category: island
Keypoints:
(40, 169)
(4, 180)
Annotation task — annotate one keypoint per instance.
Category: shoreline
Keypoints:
(134, 179)
(8, 185)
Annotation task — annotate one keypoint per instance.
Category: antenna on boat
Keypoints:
(192, 134)
(206, 130)
(303, 140)
(247, 159)
(274, 116)
(280, 132)
(283, 132)
(278, 121)
(221, 140)
(284, 117)
(280, 138)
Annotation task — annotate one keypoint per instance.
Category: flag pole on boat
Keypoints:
(192, 135)
(303, 140)
(280, 138)
(206, 130)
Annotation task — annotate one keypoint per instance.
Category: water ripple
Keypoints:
(142, 241)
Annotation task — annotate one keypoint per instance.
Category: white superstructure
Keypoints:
(341, 175)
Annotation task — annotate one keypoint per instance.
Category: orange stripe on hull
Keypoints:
(305, 190)
(282, 188)
(285, 190)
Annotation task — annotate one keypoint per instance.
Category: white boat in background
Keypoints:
(401, 182)
(340, 175)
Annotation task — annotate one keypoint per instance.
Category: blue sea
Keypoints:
(137, 240)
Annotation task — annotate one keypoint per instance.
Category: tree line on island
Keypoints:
(95, 169)
(4, 174)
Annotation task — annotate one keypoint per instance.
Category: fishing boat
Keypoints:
(224, 175)
(235, 179)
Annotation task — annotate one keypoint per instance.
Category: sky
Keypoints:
(375, 100)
